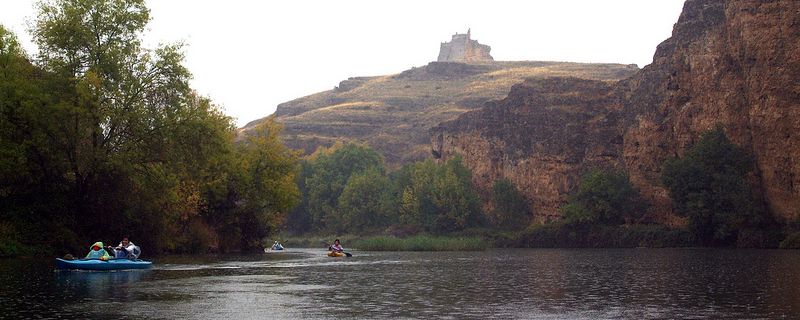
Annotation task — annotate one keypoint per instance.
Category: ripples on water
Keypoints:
(501, 284)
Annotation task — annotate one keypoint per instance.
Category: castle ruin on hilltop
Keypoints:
(463, 49)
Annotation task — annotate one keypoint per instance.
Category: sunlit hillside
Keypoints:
(393, 113)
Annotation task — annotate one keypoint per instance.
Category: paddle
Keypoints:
(346, 254)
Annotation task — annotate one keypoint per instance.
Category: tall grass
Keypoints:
(792, 241)
(312, 240)
(562, 235)
(421, 243)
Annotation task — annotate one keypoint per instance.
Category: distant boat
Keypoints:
(275, 247)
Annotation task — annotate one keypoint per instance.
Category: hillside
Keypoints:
(393, 113)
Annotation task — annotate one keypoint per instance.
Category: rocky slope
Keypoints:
(394, 113)
(733, 63)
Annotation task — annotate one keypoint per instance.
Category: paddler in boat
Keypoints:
(97, 252)
(126, 250)
(336, 247)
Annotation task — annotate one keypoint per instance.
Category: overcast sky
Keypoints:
(249, 56)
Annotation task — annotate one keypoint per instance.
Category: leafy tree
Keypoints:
(604, 197)
(709, 186)
(511, 210)
(299, 219)
(33, 197)
(331, 171)
(364, 202)
(126, 102)
(265, 183)
(102, 137)
(440, 198)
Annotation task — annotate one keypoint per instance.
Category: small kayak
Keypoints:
(94, 264)
(334, 254)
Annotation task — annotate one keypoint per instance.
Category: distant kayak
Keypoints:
(94, 264)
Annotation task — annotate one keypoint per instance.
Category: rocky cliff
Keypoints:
(732, 63)
(394, 113)
(540, 137)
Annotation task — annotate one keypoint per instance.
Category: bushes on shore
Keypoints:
(709, 186)
(582, 236)
(422, 243)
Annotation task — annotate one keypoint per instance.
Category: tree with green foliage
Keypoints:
(299, 219)
(331, 171)
(364, 203)
(604, 197)
(265, 183)
(102, 137)
(709, 186)
(21, 179)
(440, 198)
(510, 209)
(119, 104)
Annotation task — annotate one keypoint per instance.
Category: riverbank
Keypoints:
(561, 235)
(419, 242)
(553, 235)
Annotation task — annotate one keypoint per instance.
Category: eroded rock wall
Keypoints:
(541, 137)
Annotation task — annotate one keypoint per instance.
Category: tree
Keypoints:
(440, 198)
(331, 171)
(604, 197)
(102, 137)
(364, 203)
(265, 183)
(125, 104)
(709, 186)
(299, 219)
(511, 210)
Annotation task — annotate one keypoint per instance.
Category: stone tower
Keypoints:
(463, 49)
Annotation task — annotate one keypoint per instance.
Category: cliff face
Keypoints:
(541, 137)
(733, 63)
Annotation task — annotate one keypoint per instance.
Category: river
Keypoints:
(502, 284)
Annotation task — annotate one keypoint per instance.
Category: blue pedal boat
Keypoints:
(96, 264)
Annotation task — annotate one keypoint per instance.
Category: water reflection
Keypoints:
(98, 284)
(539, 284)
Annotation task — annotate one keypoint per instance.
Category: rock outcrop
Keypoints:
(729, 63)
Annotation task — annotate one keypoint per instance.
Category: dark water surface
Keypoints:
(503, 284)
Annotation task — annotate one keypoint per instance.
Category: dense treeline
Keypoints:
(347, 190)
(100, 138)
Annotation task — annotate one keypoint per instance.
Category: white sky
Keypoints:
(249, 55)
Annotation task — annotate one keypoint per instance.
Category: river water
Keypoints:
(502, 284)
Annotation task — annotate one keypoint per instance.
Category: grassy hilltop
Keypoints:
(393, 113)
